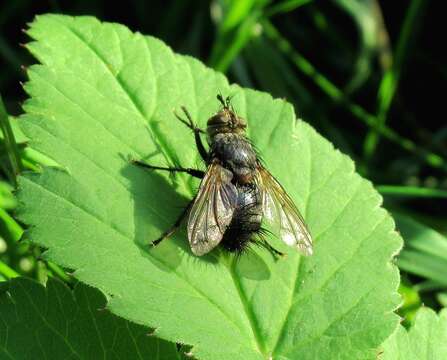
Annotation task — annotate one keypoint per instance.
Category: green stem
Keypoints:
(11, 230)
(10, 143)
(337, 95)
(7, 272)
(411, 191)
(229, 43)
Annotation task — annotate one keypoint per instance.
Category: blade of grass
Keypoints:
(423, 265)
(411, 191)
(11, 146)
(425, 250)
(285, 6)
(373, 40)
(429, 285)
(236, 12)
(421, 237)
(10, 56)
(230, 43)
(390, 79)
(235, 29)
(337, 95)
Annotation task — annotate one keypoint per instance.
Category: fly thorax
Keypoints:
(236, 154)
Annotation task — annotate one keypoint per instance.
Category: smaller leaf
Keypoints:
(52, 322)
(411, 302)
(427, 339)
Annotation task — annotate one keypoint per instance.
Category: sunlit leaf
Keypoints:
(104, 94)
(426, 340)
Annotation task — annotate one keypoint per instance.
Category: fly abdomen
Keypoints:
(246, 220)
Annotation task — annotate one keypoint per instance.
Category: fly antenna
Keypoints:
(221, 99)
(228, 101)
(229, 104)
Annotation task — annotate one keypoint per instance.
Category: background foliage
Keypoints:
(368, 75)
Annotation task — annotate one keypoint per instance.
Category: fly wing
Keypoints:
(212, 210)
(278, 208)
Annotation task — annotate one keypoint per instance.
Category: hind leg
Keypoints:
(175, 226)
(275, 253)
(193, 172)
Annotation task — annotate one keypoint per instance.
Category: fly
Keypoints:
(236, 194)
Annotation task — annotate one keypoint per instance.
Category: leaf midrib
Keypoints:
(254, 326)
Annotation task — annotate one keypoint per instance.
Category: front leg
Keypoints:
(197, 131)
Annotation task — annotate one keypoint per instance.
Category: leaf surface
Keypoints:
(53, 322)
(426, 339)
(104, 94)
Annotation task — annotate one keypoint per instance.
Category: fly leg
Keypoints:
(175, 226)
(197, 131)
(193, 172)
(276, 253)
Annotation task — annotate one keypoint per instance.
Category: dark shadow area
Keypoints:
(153, 193)
(251, 266)
(158, 204)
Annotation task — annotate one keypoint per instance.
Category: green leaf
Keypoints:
(53, 322)
(104, 94)
(426, 340)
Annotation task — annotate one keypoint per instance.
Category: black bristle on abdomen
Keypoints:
(246, 222)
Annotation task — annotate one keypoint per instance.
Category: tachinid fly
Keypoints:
(236, 192)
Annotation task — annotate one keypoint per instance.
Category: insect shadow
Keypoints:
(156, 205)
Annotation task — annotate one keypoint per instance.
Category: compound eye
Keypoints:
(220, 118)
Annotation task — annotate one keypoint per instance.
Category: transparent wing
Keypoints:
(279, 209)
(212, 210)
